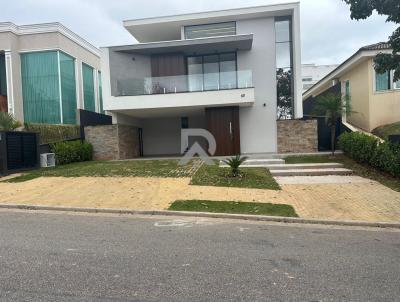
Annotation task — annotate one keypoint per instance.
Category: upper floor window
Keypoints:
(307, 79)
(284, 67)
(210, 30)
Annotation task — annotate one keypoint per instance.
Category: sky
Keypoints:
(328, 34)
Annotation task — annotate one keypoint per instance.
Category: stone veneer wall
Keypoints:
(297, 136)
(113, 142)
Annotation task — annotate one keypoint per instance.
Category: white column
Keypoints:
(298, 97)
(9, 82)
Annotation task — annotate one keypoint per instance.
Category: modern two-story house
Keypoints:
(214, 70)
(47, 72)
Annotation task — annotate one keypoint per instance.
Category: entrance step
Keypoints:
(256, 163)
(311, 172)
(304, 166)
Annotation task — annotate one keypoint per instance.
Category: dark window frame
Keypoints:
(219, 65)
(214, 23)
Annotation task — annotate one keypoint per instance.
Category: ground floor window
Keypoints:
(382, 81)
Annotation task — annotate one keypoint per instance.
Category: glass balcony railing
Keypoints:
(185, 83)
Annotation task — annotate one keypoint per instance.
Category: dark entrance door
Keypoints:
(223, 123)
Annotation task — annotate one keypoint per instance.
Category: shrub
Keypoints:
(72, 151)
(234, 163)
(366, 149)
(54, 133)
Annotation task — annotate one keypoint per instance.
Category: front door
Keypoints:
(223, 123)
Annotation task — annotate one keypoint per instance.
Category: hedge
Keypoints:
(72, 151)
(369, 150)
(54, 133)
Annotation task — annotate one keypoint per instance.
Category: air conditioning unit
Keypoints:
(47, 160)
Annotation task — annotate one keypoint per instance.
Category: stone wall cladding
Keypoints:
(297, 136)
(128, 142)
(113, 142)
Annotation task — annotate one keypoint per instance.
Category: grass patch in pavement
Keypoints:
(255, 178)
(359, 169)
(128, 168)
(234, 207)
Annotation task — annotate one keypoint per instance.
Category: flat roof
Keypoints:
(167, 28)
(190, 46)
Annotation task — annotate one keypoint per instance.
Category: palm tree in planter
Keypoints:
(332, 107)
(234, 163)
(8, 122)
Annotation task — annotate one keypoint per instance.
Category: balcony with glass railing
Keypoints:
(242, 79)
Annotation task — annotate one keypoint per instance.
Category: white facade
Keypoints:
(254, 44)
(313, 73)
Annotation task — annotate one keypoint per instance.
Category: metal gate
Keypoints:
(18, 151)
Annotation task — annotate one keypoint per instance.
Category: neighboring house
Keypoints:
(313, 73)
(374, 98)
(213, 70)
(47, 72)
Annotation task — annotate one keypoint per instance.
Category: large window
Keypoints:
(210, 30)
(100, 93)
(68, 88)
(49, 87)
(212, 72)
(3, 76)
(41, 87)
(88, 87)
(284, 67)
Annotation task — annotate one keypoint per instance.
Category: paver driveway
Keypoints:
(368, 201)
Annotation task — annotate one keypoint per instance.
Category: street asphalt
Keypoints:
(48, 256)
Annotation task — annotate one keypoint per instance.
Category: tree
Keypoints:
(332, 107)
(362, 9)
(7, 122)
(284, 91)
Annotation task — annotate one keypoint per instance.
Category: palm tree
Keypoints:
(8, 122)
(332, 106)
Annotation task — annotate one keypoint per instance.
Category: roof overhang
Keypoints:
(169, 27)
(190, 47)
(41, 28)
(356, 59)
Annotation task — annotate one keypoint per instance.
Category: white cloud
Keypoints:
(328, 34)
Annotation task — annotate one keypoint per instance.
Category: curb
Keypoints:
(354, 223)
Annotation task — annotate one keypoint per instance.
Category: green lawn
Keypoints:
(384, 131)
(234, 207)
(256, 178)
(359, 169)
(143, 168)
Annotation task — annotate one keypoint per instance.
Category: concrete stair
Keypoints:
(259, 163)
(277, 167)
(304, 166)
(311, 172)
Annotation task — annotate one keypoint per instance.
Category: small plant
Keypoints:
(8, 122)
(234, 163)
